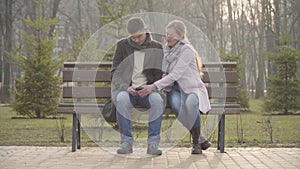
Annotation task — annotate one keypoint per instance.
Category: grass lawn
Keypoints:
(34, 132)
(286, 128)
(44, 132)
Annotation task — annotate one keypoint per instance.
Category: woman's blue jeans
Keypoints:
(185, 107)
(155, 104)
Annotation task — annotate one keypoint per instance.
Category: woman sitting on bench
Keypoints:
(186, 91)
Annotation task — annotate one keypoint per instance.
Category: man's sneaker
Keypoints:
(196, 149)
(205, 145)
(153, 149)
(126, 148)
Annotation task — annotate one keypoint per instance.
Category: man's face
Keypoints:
(138, 37)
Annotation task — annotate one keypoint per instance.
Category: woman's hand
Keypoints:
(147, 89)
(164, 74)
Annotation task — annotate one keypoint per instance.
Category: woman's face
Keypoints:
(172, 37)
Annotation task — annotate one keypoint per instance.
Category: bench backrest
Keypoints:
(90, 81)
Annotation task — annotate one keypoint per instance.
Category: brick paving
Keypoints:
(26, 157)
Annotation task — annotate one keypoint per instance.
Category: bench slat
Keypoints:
(86, 92)
(86, 64)
(71, 108)
(105, 76)
(222, 92)
(91, 110)
(86, 76)
(108, 64)
(220, 65)
(220, 77)
(105, 92)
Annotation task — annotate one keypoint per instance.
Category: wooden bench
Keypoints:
(221, 80)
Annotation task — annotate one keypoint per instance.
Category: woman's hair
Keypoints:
(181, 30)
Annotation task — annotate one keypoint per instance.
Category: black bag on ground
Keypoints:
(109, 111)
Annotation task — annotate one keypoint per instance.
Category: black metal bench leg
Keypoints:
(78, 132)
(219, 129)
(221, 133)
(74, 126)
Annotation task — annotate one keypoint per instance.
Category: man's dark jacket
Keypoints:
(123, 62)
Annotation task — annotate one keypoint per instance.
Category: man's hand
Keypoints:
(131, 90)
(147, 89)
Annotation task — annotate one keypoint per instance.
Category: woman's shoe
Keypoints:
(205, 145)
(196, 149)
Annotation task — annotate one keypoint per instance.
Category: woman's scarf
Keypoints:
(171, 56)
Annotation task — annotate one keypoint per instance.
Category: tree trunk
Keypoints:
(1, 51)
(232, 32)
(150, 5)
(222, 41)
(277, 21)
(62, 136)
(38, 113)
(270, 41)
(243, 43)
(79, 17)
(5, 59)
(53, 15)
(259, 90)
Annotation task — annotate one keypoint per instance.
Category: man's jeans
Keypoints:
(185, 107)
(155, 104)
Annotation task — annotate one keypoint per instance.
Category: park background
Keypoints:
(262, 36)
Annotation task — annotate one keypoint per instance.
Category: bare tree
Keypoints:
(6, 22)
(246, 29)
(55, 6)
(150, 5)
(232, 30)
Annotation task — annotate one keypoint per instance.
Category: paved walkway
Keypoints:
(24, 157)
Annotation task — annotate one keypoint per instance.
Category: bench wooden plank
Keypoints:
(220, 65)
(220, 77)
(86, 92)
(86, 64)
(105, 92)
(86, 76)
(88, 108)
(70, 75)
(108, 64)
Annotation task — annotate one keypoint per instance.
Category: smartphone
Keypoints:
(139, 88)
